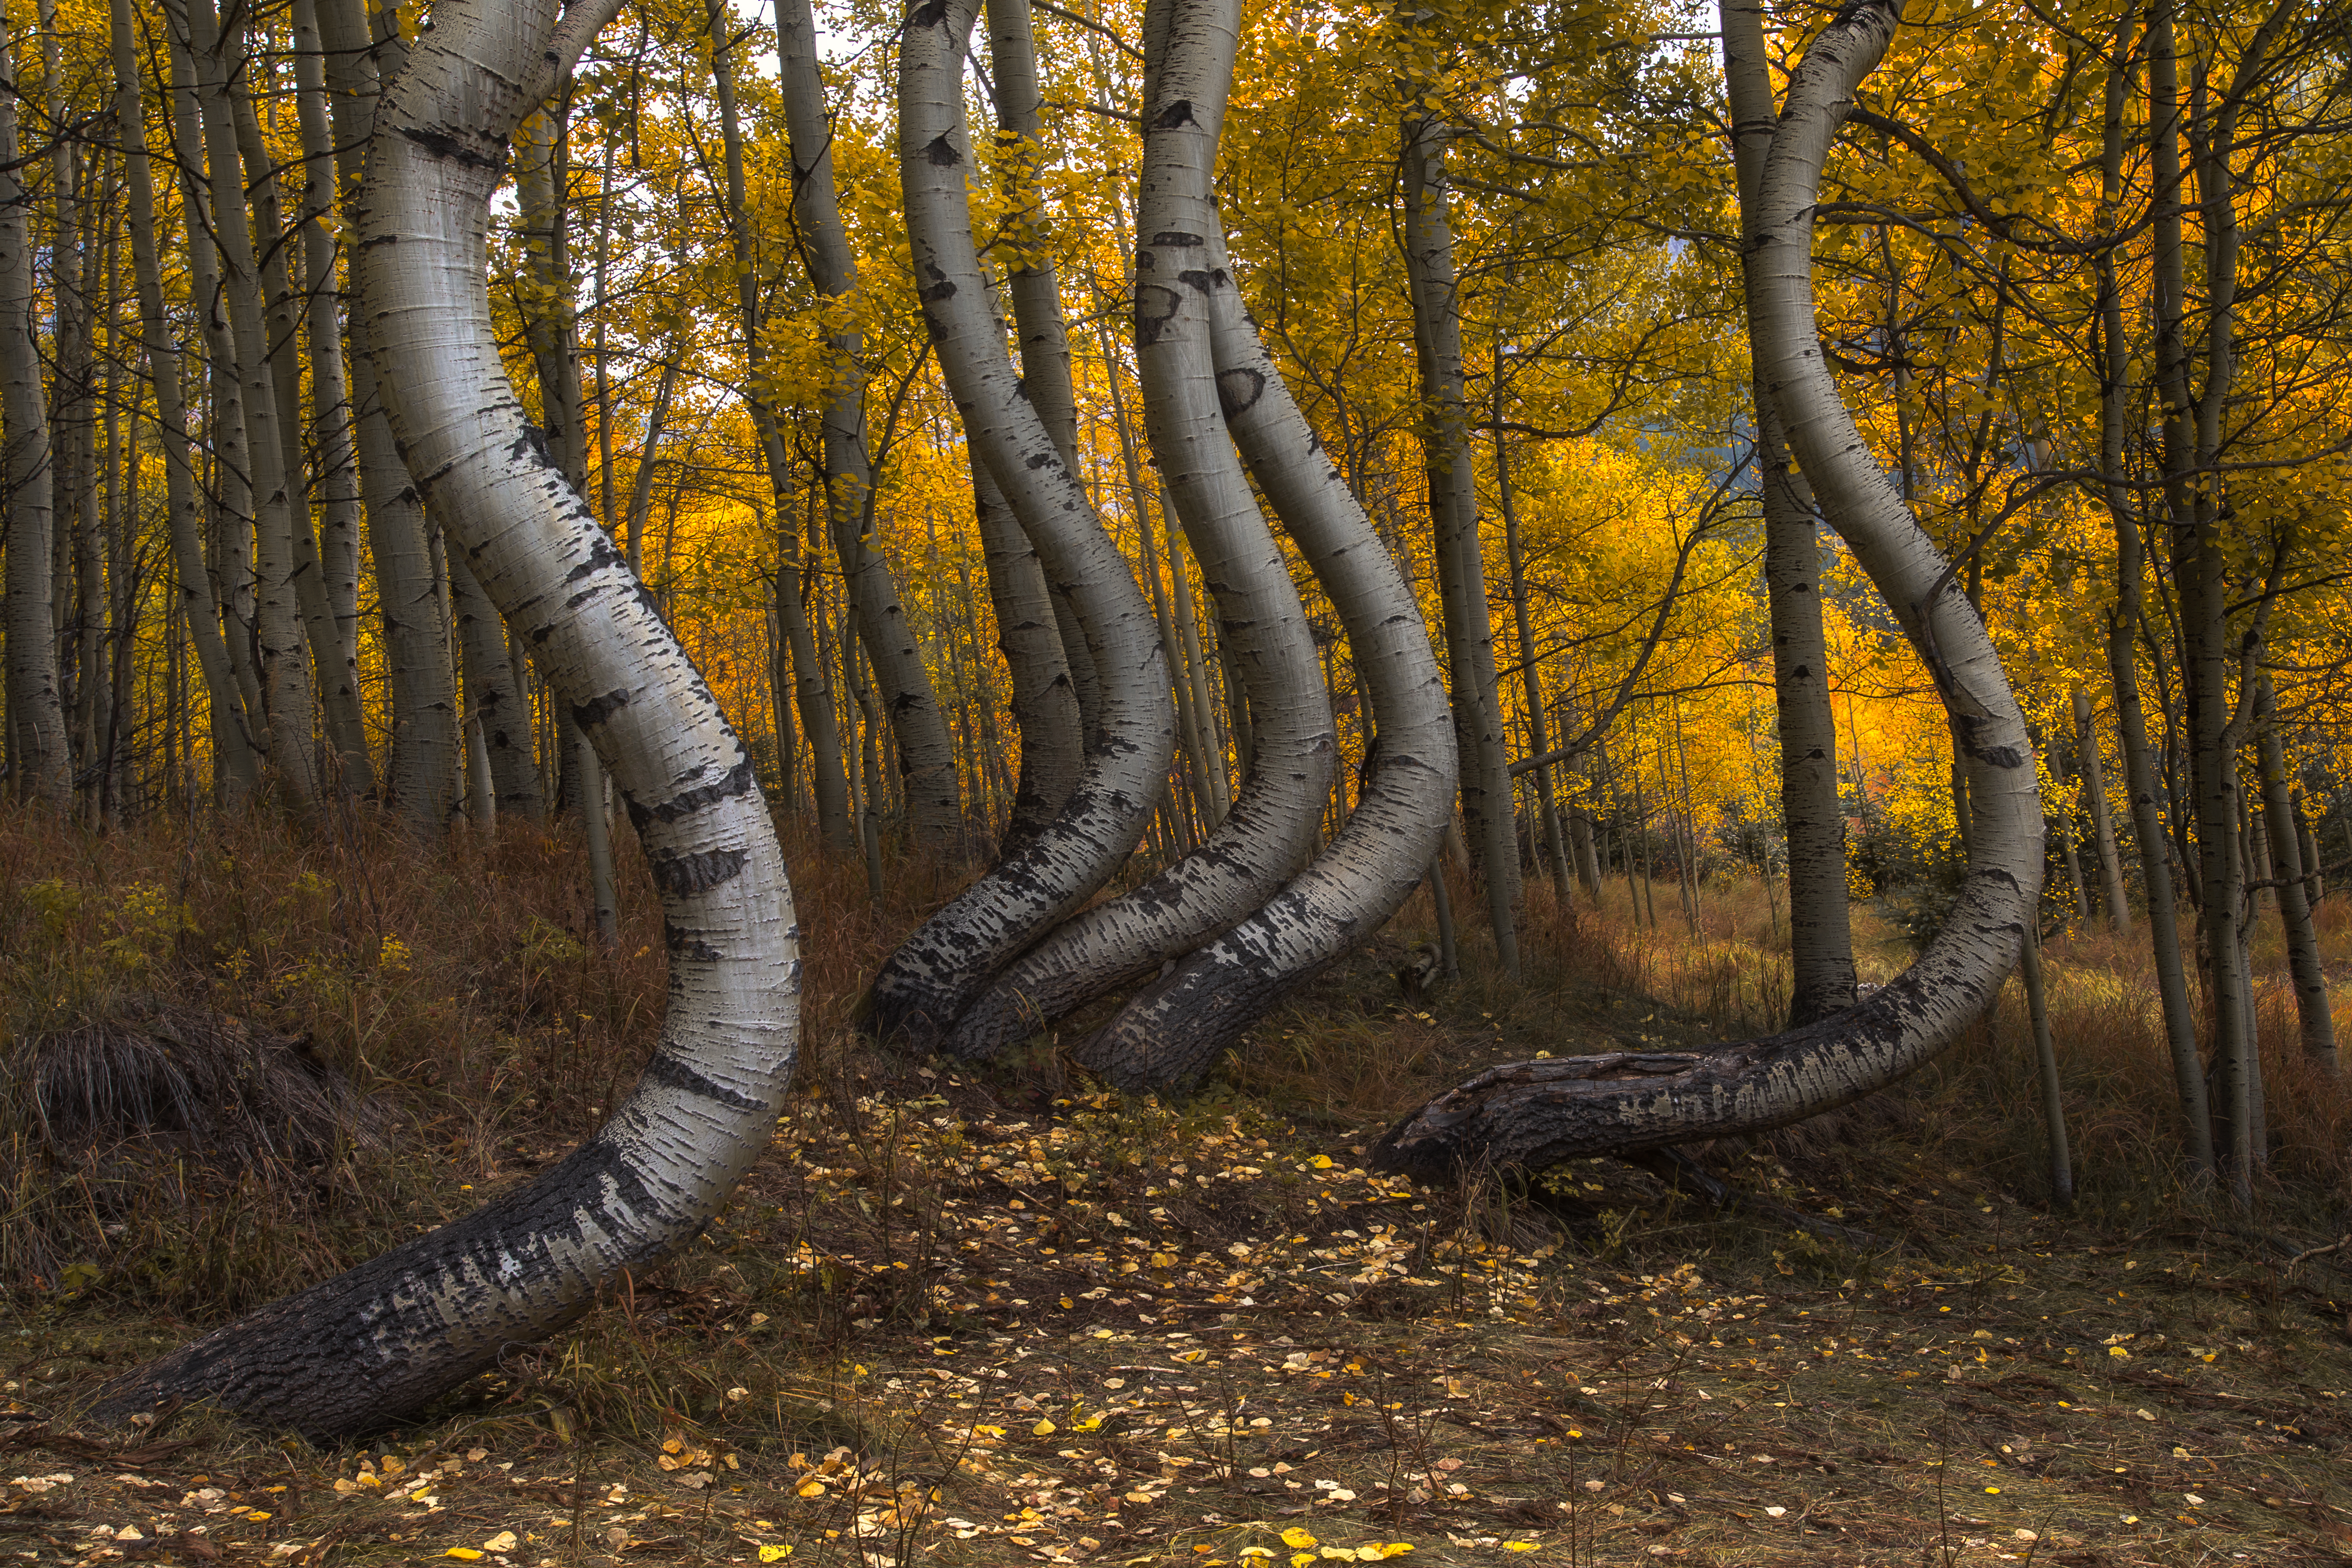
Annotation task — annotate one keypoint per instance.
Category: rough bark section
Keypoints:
(1272, 825)
(2103, 824)
(1821, 935)
(1531, 1114)
(928, 982)
(377, 1342)
(1176, 1029)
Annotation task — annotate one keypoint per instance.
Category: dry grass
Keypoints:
(987, 1317)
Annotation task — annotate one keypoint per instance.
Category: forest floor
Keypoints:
(996, 1316)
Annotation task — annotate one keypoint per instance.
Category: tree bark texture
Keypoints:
(928, 983)
(1271, 826)
(1176, 1029)
(925, 753)
(1489, 818)
(377, 1342)
(2304, 966)
(1531, 1114)
(1821, 934)
(40, 750)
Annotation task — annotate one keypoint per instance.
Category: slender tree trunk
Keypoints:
(2102, 826)
(1821, 935)
(1539, 1112)
(374, 1344)
(40, 759)
(183, 506)
(1530, 666)
(2303, 956)
(2045, 1061)
(1488, 815)
(278, 628)
(926, 754)
(415, 632)
(2124, 624)
(1045, 706)
(337, 552)
(928, 983)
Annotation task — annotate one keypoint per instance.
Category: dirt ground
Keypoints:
(951, 1322)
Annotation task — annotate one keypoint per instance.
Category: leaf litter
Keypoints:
(944, 1325)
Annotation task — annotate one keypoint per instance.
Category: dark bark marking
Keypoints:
(667, 1070)
(1179, 113)
(941, 153)
(1155, 306)
(1176, 236)
(737, 783)
(1239, 390)
(442, 145)
(595, 711)
(682, 875)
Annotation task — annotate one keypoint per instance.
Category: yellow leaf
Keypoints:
(504, 1540)
(1042, 1429)
(774, 1554)
(1295, 1538)
(1518, 1546)
(811, 1488)
(1321, 1161)
(463, 1553)
(1302, 1560)
(2119, 1352)
(1392, 1549)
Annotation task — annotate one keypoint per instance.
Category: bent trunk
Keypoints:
(1538, 1113)
(1272, 825)
(373, 1344)
(934, 975)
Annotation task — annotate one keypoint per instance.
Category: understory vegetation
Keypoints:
(992, 1315)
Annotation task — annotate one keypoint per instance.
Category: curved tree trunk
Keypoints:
(928, 982)
(379, 1341)
(1271, 826)
(925, 753)
(1176, 1029)
(1821, 934)
(1036, 291)
(1541, 1113)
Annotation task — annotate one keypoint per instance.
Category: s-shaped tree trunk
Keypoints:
(1538, 1113)
(1821, 935)
(1176, 1029)
(934, 975)
(1271, 828)
(376, 1344)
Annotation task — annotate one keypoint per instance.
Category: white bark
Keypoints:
(1271, 826)
(1176, 1029)
(184, 506)
(934, 976)
(359, 1349)
(37, 718)
(1538, 1113)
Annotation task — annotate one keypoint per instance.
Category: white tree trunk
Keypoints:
(1176, 1029)
(1541, 1113)
(1272, 827)
(36, 717)
(364, 1348)
(930, 981)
